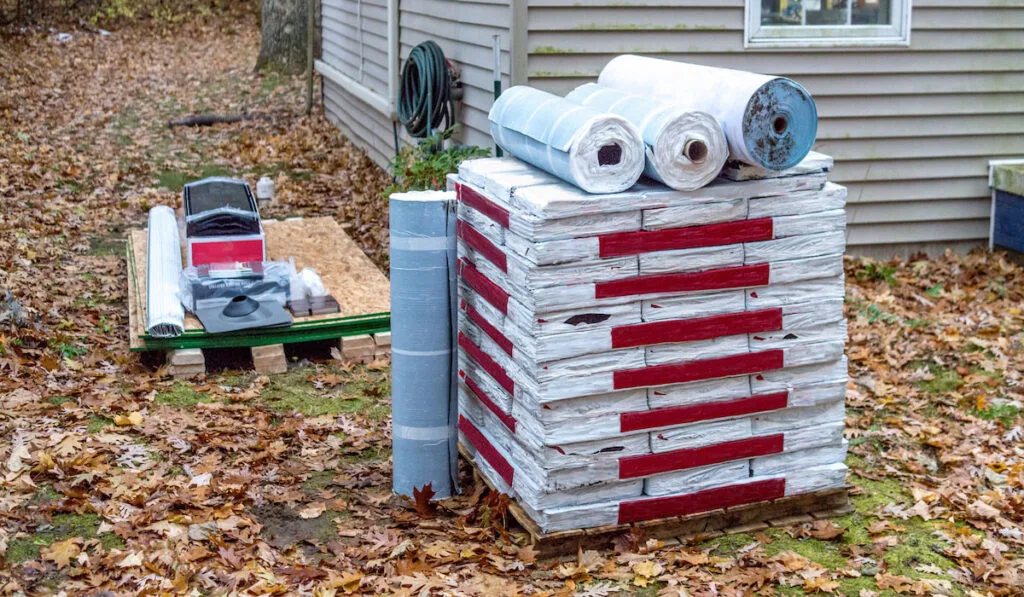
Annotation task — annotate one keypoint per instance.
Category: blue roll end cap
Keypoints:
(780, 124)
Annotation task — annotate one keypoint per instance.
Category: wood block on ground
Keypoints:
(360, 349)
(186, 362)
(269, 359)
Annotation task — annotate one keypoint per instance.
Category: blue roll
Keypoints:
(424, 401)
(596, 151)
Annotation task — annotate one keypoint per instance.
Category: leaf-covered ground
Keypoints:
(117, 480)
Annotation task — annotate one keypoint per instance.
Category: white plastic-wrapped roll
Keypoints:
(596, 151)
(685, 149)
(770, 122)
(165, 317)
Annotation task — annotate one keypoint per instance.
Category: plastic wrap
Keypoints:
(423, 372)
(769, 122)
(165, 316)
(685, 149)
(596, 151)
(200, 290)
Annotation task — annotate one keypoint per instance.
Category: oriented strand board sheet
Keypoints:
(317, 243)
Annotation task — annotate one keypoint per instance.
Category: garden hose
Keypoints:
(425, 102)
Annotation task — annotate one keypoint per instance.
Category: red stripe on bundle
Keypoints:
(700, 328)
(692, 413)
(659, 375)
(488, 329)
(487, 364)
(631, 467)
(503, 416)
(488, 451)
(691, 237)
(729, 496)
(482, 204)
(482, 245)
(491, 292)
(743, 276)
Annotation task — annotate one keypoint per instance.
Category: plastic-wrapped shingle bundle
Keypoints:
(596, 151)
(651, 353)
(165, 316)
(770, 122)
(685, 149)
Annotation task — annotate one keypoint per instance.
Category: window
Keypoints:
(809, 23)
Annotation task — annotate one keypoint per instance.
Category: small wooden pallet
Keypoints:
(361, 290)
(184, 363)
(781, 512)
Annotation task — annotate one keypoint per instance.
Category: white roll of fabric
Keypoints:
(685, 149)
(596, 151)
(165, 316)
(769, 122)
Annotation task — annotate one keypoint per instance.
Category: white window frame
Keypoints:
(756, 35)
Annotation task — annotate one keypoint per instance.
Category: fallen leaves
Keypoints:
(422, 497)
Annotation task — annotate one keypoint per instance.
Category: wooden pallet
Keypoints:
(748, 518)
(184, 363)
(361, 290)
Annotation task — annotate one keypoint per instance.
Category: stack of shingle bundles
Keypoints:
(651, 353)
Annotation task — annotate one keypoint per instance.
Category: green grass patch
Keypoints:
(64, 526)
(292, 391)
(825, 553)
(1006, 414)
(58, 400)
(944, 380)
(45, 494)
(368, 455)
(317, 481)
(102, 246)
(181, 395)
(98, 423)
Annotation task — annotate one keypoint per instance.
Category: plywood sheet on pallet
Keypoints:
(317, 243)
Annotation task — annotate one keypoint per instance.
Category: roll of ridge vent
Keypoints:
(769, 121)
(424, 402)
(165, 316)
(596, 151)
(685, 149)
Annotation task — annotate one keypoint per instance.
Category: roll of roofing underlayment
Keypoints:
(769, 121)
(685, 149)
(596, 151)
(423, 326)
(165, 317)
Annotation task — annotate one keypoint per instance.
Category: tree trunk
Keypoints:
(283, 36)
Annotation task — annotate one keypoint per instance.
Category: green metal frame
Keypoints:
(301, 331)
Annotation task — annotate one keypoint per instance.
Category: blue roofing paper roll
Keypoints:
(424, 400)
(596, 151)
(769, 121)
(686, 149)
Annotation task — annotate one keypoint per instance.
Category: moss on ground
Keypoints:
(181, 395)
(825, 553)
(63, 526)
(293, 391)
(98, 423)
(944, 380)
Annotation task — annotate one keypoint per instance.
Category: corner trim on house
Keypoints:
(517, 43)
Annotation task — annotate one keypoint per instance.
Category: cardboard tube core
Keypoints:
(609, 155)
(696, 151)
(780, 124)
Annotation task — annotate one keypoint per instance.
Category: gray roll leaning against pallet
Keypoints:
(423, 399)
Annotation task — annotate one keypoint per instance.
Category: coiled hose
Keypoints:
(425, 101)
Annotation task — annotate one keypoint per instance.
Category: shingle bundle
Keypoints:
(651, 353)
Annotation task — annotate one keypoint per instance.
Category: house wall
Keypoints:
(911, 129)
(463, 29)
